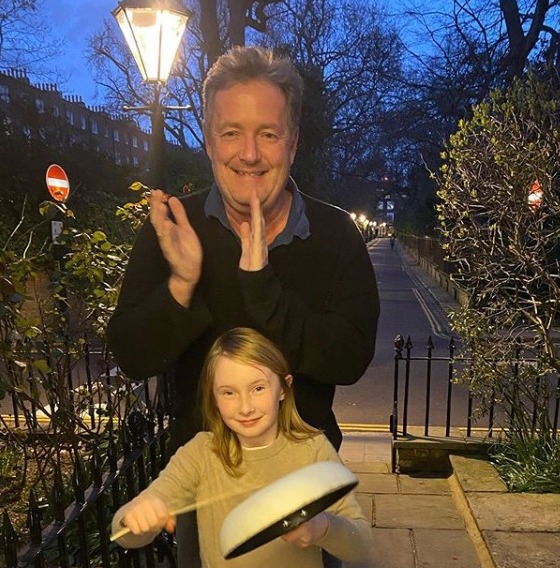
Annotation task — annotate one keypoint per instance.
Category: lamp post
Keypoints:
(153, 30)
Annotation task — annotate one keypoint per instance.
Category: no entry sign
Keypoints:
(57, 182)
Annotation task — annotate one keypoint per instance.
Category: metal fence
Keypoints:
(69, 527)
(122, 449)
(458, 411)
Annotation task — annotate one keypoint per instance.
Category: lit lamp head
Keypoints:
(153, 30)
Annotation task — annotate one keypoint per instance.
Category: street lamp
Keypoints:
(153, 30)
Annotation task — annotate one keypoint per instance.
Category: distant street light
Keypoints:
(153, 30)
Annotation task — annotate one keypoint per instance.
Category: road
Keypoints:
(408, 308)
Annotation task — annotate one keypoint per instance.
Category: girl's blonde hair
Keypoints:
(247, 346)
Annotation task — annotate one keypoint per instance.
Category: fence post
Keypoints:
(35, 531)
(428, 385)
(449, 387)
(9, 542)
(398, 343)
(408, 346)
(59, 514)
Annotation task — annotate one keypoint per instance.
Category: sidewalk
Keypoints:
(463, 520)
(466, 519)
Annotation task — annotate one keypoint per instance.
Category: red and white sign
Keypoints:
(57, 182)
(536, 195)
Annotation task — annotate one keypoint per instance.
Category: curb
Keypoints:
(473, 530)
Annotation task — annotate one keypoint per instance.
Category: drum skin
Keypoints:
(282, 505)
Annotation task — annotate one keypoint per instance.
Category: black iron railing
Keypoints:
(121, 448)
(457, 407)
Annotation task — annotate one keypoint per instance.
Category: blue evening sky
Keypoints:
(73, 21)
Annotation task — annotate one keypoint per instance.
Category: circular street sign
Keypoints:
(57, 182)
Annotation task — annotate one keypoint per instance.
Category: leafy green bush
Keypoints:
(499, 212)
(55, 300)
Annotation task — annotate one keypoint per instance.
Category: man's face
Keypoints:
(250, 144)
(248, 399)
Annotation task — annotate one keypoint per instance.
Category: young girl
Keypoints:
(255, 436)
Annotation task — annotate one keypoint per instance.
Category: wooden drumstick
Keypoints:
(185, 509)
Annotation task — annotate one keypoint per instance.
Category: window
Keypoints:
(135, 160)
(4, 93)
(55, 111)
(135, 141)
(70, 117)
(116, 137)
(83, 122)
(145, 145)
(94, 126)
(40, 105)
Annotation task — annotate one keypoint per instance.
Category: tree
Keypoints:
(347, 54)
(350, 58)
(469, 47)
(24, 36)
(500, 216)
(215, 26)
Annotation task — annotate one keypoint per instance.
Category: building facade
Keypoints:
(43, 111)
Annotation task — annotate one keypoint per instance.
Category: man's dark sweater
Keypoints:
(316, 299)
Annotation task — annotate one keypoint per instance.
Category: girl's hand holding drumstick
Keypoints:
(146, 515)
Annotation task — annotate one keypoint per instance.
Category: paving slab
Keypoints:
(423, 484)
(468, 520)
(442, 548)
(392, 548)
(376, 482)
(476, 473)
(516, 512)
(524, 550)
(416, 511)
(365, 447)
(366, 503)
(368, 467)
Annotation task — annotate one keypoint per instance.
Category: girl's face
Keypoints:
(248, 399)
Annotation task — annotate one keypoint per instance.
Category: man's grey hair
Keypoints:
(242, 64)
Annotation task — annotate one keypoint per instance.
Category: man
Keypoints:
(252, 251)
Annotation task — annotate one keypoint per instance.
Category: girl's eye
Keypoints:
(260, 388)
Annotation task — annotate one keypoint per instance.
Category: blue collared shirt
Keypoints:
(297, 225)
